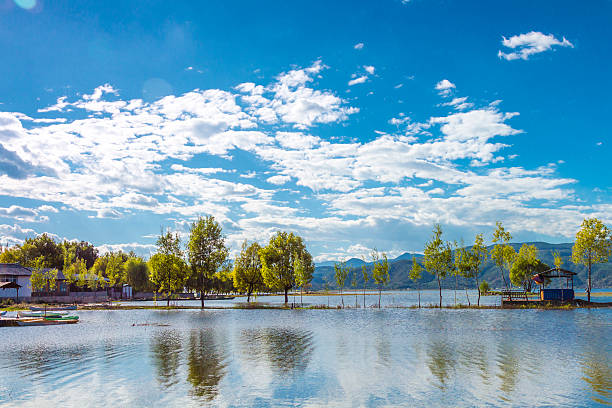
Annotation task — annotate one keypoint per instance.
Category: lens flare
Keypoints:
(26, 4)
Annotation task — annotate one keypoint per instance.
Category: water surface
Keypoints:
(357, 357)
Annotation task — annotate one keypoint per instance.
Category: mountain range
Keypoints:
(399, 269)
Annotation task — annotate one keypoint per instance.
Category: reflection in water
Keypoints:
(206, 364)
(441, 362)
(597, 369)
(166, 347)
(288, 350)
(474, 356)
(508, 364)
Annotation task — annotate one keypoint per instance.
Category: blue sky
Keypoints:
(354, 124)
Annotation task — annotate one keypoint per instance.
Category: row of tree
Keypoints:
(282, 265)
(443, 258)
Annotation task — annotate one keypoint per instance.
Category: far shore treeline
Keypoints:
(202, 264)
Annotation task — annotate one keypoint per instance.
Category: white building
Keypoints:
(12, 272)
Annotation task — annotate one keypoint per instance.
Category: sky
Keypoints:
(356, 125)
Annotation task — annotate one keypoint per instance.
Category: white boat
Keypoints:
(52, 309)
(41, 314)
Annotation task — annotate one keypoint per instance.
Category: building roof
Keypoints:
(18, 270)
(14, 269)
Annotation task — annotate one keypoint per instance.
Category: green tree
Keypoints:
(593, 245)
(415, 276)
(464, 265)
(82, 249)
(137, 274)
(438, 257)
(168, 269)
(354, 285)
(278, 260)
(380, 271)
(502, 253)
(525, 265)
(115, 271)
(247, 270)
(557, 260)
(483, 287)
(366, 278)
(479, 257)
(340, 273)
(206, 251)
(303, 275)
(43, 279)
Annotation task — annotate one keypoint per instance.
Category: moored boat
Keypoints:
(41, 314)
(53, 309)
(47, 321)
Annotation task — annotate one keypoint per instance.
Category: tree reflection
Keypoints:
(287, 350)
(597, 369)
(441, 362)
(206, 364)
(508, 364)
(166, 347)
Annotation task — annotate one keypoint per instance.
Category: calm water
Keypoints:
(391, 298)
(357, 357)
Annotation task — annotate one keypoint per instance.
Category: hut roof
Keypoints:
(9, 285)
(557, 273)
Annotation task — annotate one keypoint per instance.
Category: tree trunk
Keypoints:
(249, 296)
(440, 289)
(379, 294)
(342, 298)
(503, 277)
(364, 286)
(419, 292)
(589, 284)
(455, 289)
(301, 297)
(468, 297)
(286, 296)
(478, 287)
(168, 299)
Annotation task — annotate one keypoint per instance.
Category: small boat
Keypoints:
(63, 319)
(3, 313)
(53, 309)
(47, 321)
(41, 314)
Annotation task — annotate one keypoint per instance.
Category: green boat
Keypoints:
(62, 318)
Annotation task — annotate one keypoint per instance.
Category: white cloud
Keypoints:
(459, 103)
(531, 43)
(175, 157)
(445, 87)
(358, 80)
(358, 46)
(369, 69)
(278, 179)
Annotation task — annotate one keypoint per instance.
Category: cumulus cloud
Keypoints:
(227, 152)
(358, 46)
(528, 44)
(445, 87)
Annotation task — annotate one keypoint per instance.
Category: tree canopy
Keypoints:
(247, 270)
(278, 260)
(593, 245)
(206, 252)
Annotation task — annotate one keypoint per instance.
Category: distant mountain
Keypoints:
(399, 268)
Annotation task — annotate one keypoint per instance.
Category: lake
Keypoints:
(351, 357)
